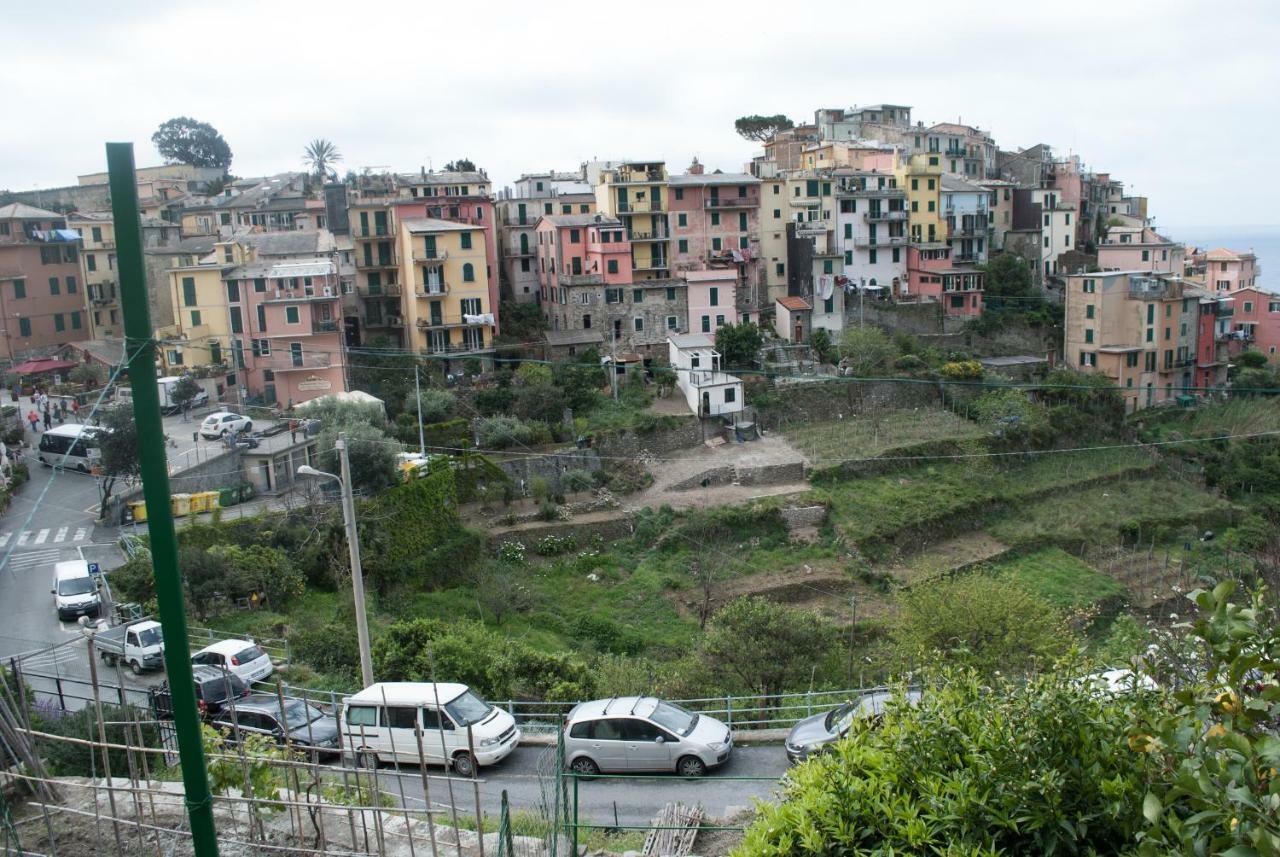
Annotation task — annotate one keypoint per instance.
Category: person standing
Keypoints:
(48, 416)
(34, 420)
(75, 409)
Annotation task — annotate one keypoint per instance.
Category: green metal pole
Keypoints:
(140, 350)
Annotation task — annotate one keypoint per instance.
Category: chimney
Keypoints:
(695, 169)
(423, 171)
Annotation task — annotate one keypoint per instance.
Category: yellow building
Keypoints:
(636, 193)
(774, 214)
(98, 271)
(921, 177)
(448, 310)
(201, 333)
(375, 233)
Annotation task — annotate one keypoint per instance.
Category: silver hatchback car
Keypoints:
(642, 733)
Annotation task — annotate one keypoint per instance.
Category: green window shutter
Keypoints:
(466, 241)
(188, 291)
(195, 318)
(19, 289)
(75, 320)
(24, 326)
(59, 324)
(54, 286)
(291, 315)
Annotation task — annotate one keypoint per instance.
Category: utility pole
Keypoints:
(140, 349)
(357, 574)
(417, 392)
(862, 290)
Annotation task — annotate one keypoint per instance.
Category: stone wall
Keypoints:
(211, 474)
(771, 474)
(687, 433)
(827, 400)
(552, 467)
(609, 529)
(803, 516)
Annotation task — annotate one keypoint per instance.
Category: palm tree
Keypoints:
(321, 155)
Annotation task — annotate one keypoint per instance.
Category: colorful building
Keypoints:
(518, 210)
(1136, 248)
(933, 276)
(41, 291)
(1255, 321)
(964, 205)
(871, 231)
(715, 223)
(1229, 270)
(449, 302)
(709, 391)
(921, 178)
(1213, 338)
(98, 268)
(1137, 328)
(635, 192)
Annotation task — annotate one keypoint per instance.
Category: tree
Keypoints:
(461, 165)
(371, 453)
(183, 140)
(184, 393)
(867, 352)
(990, 624)
(87, 375)
(761, 128)
(542, 402)
(1251, 360)
(321, 155)
(739, 345)
(767, 647)
(1009, 278)
(820, 342)
(119, 447)
(436, 406)
(581, 381)
(385, 371)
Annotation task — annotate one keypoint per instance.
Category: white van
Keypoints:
(378, 724)
(75, 592)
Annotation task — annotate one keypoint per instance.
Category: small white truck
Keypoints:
(140, 645)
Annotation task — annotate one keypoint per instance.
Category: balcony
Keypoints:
(867, 192)
(894, 215)
(385, 290)
(283, 361)
(581, 279)
(658, 264)
(866, 241)
(375, 263)
(383, 321)
(805, 202)
(811, 228)
(518, 253)
(433, 289)
(710, 378)
(420, 255)
(751, 201)
(954, 153)
(966, 257)
(445, 321)
(640, 206)
(637, 236)
(639, 176)
(370, 232)
(317, 293)
(328, 326)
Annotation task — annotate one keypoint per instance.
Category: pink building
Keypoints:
(1228, 270)
(1140, 248)
(932, 277)
(1255, 320)
(712, 300)
(290, 312)
(41, 297)
(715, 223)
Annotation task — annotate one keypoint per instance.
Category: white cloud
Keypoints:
(1173, 98)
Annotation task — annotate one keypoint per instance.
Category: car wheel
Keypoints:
(223, 433)
(108, 659)
(82, 468)
(690, 766)
(464, 765)
(367, 759)
(584, 766)
(248, 426)
(136, 667)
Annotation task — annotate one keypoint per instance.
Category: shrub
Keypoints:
(65, 759)
(909, 363)
(578, 480)
(437, 406)
(553, 545)
(533, 375)
(501, 432)
(962, 370)
(511, 551)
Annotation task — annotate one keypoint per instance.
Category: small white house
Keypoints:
(709, 391)
(792, 319)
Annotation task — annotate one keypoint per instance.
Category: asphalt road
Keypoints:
(527, 776)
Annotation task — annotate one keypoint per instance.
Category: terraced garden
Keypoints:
(830, 443)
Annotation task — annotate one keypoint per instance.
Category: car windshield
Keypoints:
(250, 654)
(840, 718)
(298, 713)
(150, 637)
(468, 709)
(674, 718)
(76, 586)
(219, 688)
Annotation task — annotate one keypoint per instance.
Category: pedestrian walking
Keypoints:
(34, 420)
(48, 417)
(62, 410)
(293, 430)
(75, 409)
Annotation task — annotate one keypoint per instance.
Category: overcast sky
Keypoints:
(1176, 98)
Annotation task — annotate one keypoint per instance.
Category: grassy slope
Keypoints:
(1059, 578)
(829, 442)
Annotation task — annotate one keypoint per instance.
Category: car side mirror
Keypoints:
(53, 592)
(661, 740)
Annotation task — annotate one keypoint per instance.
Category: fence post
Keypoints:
(575, 816)
(508, 842)
(728, 711)
(57, 684)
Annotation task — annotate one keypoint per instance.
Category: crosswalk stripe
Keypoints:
(82, 533)
(41, 536)
(23, 536)
(4, 539)
(61, 534)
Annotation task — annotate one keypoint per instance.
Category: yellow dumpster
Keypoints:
(203, 501)
(180, 504)
(138, 508)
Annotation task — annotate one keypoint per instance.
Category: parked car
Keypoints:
(222, 423)
(214, 689)
(816, 734)
(307, 727)
(1116, 682)
(380, 723)
(643, 733)
(241, 658)
(75, 591)
(139, 644)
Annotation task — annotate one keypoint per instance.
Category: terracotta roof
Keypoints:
(17, 210)
(793, 303)
(1222, 254)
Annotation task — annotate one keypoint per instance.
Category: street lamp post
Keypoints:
(353, 544)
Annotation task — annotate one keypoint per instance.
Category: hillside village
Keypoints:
(889, 406)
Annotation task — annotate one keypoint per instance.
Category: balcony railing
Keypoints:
(885, 192)
(581, 279)
(751, 201)
(709, 377)
(658, 264)
(446, 320)
(383, 321)
(638, 177)
(806, 201)
(324, 326)
(965, 257)
(642, 206)
(518, 252)
(420, 255)
(879, 241)
(376, 262)
(811, 227)
(284, 361)
(384, 290)
(892, 214)
(658, 235)
(431, 289)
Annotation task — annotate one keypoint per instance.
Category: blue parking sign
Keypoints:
(94, 569)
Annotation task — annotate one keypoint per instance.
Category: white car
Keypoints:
(222, 423)
(241, 658)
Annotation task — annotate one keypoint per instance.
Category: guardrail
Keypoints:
(199, 637)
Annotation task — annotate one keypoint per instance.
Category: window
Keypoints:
(715, 244)
(682, 246)
(233, 291)
(871, 256)
(566, 208)
(1146, 255)
(1168, 333)
(54, 286)
(575, 236)
(468, 273)
(291, 315)
(59, 324)
(613, 296)
(1151, 334)
(896, 254)
(466, 240)
(637, 324)
(1248, 306)
(829, 304)
(1151, 313)
(19, 289)
(237, 322)
(706, 324)
(1088, 334)
(586, 321)
(672, 323)
(90, 262)
(612, 266)
(742, 222)
(715, 218)
(730, 395)
(188, 291)
(915, 184)
(679, 193)
(780, 268)
(637, 296)
(931, 184)
(682, 220)
(195, 318)
(719, 321)
(75, 320)
(671, 293)
(777, 214)
(1089, 287)
(24, 327)
(262, 318)
(715, 296)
